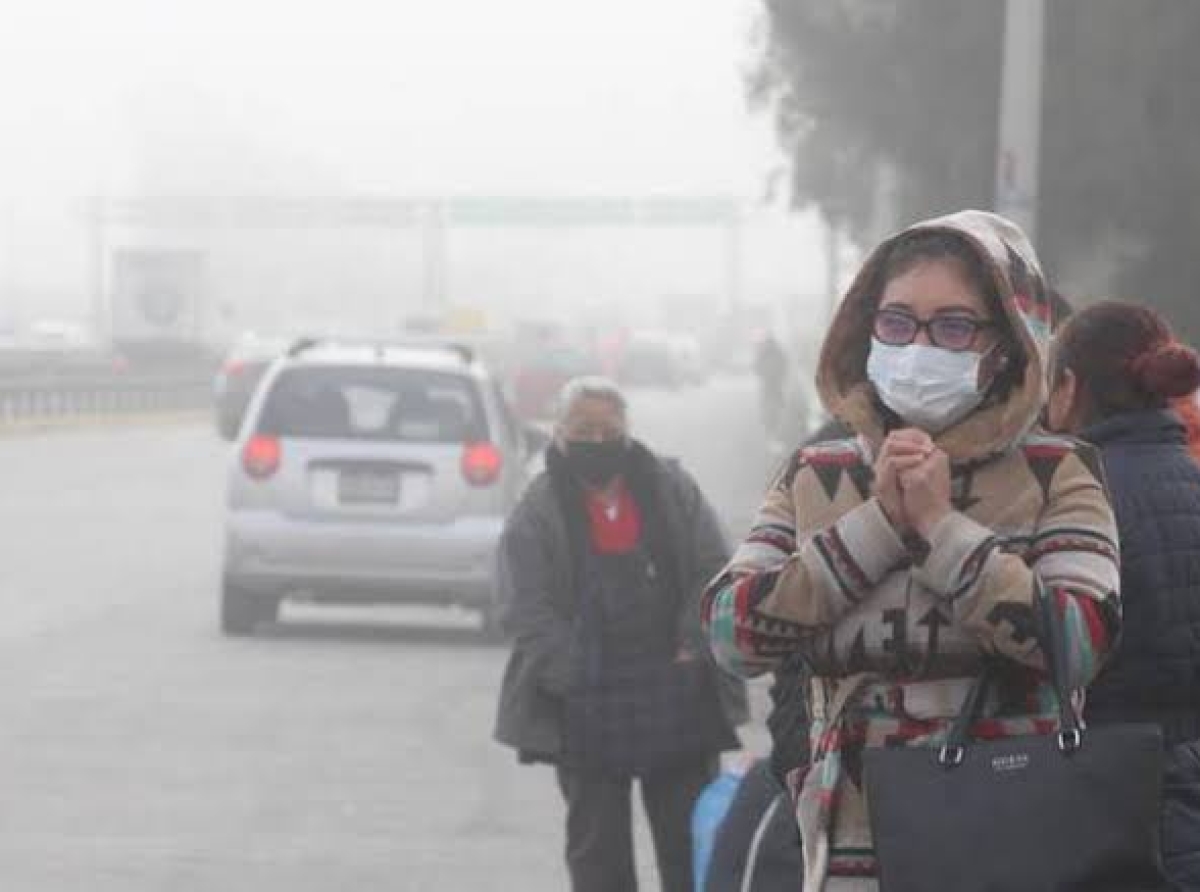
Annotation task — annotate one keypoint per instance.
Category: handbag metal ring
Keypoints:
(951, 756)
(1069, 741)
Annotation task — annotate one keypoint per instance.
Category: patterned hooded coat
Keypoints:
(895, 630)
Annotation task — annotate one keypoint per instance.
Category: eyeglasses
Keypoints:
(898, 328)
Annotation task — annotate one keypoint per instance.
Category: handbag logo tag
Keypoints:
(1014, 762)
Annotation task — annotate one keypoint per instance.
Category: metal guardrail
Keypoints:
(24, 400)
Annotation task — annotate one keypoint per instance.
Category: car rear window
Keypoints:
(379, 404)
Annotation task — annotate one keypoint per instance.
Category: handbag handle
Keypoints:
(1054, 649)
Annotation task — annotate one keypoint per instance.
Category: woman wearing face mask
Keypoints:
(895, 561)
(601, 569)
(1116, 367)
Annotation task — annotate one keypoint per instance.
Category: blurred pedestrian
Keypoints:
(881, 560)
(1117, 367)
(601, 569)
(770, 366)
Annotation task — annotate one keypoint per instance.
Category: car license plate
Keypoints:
(368, 487)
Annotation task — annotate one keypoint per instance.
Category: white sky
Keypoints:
(364, 96)
(395, 95)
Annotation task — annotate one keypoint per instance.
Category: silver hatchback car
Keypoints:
(370, 473)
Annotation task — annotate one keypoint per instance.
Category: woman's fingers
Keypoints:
(915, 473)
(926, 492)
(911, 435)
(907, 442)
(893, 465)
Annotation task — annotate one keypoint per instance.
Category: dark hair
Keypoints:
(1125, 358)
(941, 245)
(921, 247)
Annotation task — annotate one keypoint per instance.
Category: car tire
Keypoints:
(241, 611)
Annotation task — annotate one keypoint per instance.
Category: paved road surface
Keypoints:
(348, 750)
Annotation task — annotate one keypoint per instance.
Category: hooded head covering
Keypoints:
(1016, 278)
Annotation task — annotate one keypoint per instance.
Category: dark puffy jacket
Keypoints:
(1154, 675)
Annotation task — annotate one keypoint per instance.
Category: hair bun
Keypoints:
(1169, 370)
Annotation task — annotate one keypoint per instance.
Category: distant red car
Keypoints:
(538, 379)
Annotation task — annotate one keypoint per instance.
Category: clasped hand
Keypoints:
(912, 481)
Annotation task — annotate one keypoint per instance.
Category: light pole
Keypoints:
(733, 263)
(1019, 144)
(97, 269)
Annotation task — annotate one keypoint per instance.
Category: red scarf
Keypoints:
(613, 532)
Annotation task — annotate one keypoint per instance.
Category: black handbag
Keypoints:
(1074, 811)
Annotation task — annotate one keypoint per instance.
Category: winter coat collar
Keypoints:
(1150, 427)
(644, 477)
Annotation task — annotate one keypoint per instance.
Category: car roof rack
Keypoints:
(463, 351)
(302, 345)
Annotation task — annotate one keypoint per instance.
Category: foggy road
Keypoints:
(341, 750)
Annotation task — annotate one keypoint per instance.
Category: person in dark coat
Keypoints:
(757, 848)
(600, 571)
(1116, 368)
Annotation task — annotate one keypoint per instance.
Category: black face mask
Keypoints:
(597, 463)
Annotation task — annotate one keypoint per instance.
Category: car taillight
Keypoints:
(262, 456)
(481, 464)
(234, 367)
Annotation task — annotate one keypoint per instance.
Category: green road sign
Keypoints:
(264, 212)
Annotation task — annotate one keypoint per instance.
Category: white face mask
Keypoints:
(929, 387)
